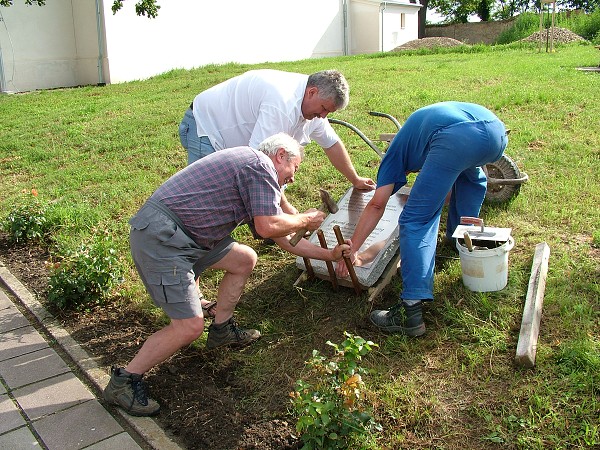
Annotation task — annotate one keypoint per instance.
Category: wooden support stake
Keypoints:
(340, 238)
(309, 268)
(532, 311)
(329, 264)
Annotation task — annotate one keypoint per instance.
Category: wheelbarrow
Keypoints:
(504, 178)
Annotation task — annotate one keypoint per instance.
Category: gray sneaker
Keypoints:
(230, 334)
(130, 393)
(400, 318)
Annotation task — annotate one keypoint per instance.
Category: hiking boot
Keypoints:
(128, 391)
(230, 334)
(400, 318)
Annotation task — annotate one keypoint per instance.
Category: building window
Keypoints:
(402, 21)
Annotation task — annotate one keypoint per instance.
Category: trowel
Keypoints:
(476, 230)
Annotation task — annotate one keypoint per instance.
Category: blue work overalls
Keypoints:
(447, 143)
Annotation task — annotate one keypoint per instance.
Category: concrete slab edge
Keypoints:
(146, 427)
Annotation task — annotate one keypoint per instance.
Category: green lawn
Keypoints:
(96, 153)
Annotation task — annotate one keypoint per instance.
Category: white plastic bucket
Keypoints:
(485, 269)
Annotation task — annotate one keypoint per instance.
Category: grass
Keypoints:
(97, 153)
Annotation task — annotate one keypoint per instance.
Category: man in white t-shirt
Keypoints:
(248, 108)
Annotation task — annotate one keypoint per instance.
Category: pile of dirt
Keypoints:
(428, 42)
(559, 35)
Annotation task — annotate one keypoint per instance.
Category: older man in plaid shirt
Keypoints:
(184, 228)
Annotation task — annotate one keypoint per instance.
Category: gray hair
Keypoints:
(332, 86)
(273, 143)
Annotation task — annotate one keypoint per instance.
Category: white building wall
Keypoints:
(376, 25)
(192, 33)
(81, 42)
(364, 17)
(40, 49)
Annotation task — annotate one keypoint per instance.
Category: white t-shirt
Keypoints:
(246, 109)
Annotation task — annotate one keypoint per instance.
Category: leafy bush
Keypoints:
(28, 222)
(85, 277)
(331, 411)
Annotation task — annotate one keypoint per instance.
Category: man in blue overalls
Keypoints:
(448, 143)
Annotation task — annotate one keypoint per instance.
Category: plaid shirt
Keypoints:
(221, 191)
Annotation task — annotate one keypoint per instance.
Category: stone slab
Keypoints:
(11, 319)
(120, 441)
(19, 439)
(51, 395)
(32, 367)
(385, 234)
(11, 417)
(4, 300)
(20, 341)
(88, 423)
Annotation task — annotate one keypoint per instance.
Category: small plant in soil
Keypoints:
(330, 406)
(28, 221)
(84, 277)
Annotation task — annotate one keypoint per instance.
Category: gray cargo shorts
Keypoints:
(168, 261)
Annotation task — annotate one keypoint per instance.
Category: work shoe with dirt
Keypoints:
(400, 318)
(128, 391)
(229, 334)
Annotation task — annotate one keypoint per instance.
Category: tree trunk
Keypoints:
(423, 18)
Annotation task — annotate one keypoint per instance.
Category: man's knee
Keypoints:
(247, 259)
(188, 329)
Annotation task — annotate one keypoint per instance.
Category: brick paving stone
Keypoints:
(20, 341)
(11, 319)
(4, 300)
(11, 417)
(20, 439)
(51, 395)
(35, 366)
(80, 426)
(120, 441)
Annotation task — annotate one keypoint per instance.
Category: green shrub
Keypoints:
(330, 410)
(587, 26)
(524, 25)
(29, 221)
(84, 277)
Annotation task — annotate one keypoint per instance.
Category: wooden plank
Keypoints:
(532, 311)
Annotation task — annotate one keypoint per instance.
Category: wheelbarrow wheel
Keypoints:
(502, 169)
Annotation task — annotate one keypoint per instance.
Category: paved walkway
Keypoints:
(49, 386)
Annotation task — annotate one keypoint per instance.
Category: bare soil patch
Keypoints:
(201, 401)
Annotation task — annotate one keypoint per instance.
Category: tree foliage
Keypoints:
(27, 2)
(588, 6)
(148, 8)
(458, 11)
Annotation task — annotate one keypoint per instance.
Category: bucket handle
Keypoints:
(466, 220)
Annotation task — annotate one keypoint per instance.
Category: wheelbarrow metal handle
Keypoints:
(360, 133)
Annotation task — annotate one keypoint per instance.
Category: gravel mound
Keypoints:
(561, 35)
(428, 42)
